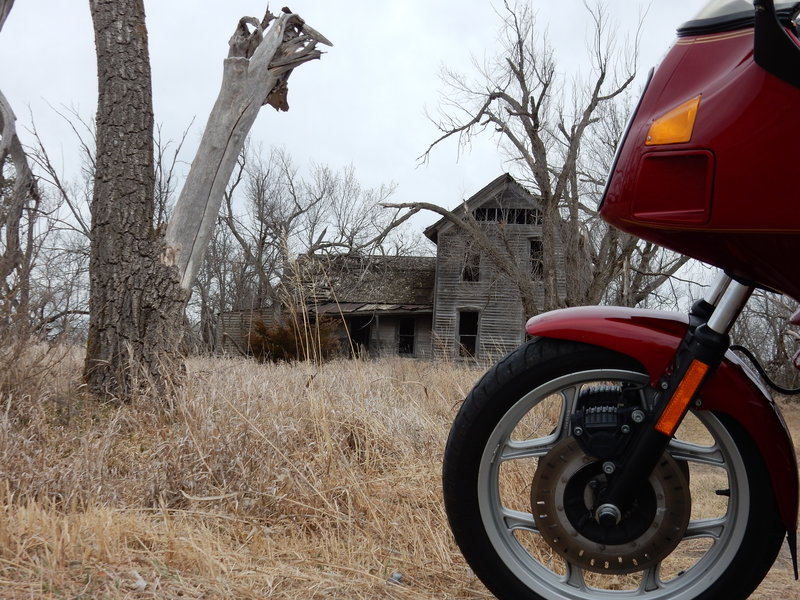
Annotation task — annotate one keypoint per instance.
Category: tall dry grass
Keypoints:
(280, 481)
(273, 481)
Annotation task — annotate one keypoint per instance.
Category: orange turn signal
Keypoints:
(676, 126)
(679, 403)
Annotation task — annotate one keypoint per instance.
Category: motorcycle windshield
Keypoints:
(724, 15)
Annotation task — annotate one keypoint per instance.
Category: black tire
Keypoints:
(749, 533)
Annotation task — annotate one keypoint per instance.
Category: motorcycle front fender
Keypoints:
(652, 337)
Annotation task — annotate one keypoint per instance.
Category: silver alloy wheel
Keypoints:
(502, 523)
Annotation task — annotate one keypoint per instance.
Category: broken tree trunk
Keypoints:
(141, 277)
(255, 73)
(15, 252)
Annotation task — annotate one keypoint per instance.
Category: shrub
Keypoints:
(315, 341)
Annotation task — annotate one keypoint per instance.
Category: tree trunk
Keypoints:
(136, 303)
(19, 211)
(139, 283)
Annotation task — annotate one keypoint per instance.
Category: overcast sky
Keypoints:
(364, 103)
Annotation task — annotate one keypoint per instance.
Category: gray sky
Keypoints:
(363, 103)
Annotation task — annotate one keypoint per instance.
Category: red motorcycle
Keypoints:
(626, 453)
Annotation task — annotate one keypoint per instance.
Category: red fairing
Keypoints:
(652, 337)
(729, 196)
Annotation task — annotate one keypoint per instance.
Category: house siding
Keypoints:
(501, 325)
(494, 296)
(385, 335)
(234, 327)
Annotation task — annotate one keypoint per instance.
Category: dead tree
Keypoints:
(287, 214)
(544, 128)
(140, 277)
(19, 204)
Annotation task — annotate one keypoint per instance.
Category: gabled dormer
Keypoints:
(503, 200)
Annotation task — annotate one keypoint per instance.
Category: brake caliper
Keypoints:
(604, 421)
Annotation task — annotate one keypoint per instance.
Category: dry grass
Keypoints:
(264, 481)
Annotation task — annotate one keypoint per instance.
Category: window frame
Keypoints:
(536, 261)
(463, 349)
(471, 269)
(406, 336)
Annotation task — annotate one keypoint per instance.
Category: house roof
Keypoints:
(502, 189)
(365, 282)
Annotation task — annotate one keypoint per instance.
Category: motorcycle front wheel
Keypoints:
(522, 534)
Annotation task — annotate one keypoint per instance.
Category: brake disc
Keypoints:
(563, 496)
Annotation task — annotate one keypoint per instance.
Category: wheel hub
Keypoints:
(564, 498)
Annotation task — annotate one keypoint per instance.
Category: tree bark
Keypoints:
(5, 8)
(135, 303)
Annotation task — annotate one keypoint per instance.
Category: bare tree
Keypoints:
(220, 285)
(256, 73)
(167, 153)
(765, 329)
(73, 197)
(545, 127)
(286, 214)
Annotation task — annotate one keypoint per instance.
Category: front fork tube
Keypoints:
(700, 352)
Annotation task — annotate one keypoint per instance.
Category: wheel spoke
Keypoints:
(706, 528)
(708, 455)
(536, 447)
(513, 450)
(651, 579)
(538, 422)
(574, 577)
(569, 396)
(515, 519)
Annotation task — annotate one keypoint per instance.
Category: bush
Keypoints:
(287, 342)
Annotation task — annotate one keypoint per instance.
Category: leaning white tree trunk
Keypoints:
(13, 203)
(13, 296)
(5, 8)
(255, 73)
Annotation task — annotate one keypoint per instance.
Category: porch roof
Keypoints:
(351, 308)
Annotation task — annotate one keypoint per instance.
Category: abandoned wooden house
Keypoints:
(456, 304)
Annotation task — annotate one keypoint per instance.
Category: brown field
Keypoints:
(313, 482)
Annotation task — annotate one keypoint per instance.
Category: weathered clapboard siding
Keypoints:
(234, 326)
(385, 336)
(493, 295)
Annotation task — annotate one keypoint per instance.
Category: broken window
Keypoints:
(537, 259)
(405, 335)
(511, 216)
(472, 266)
(468, 333)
